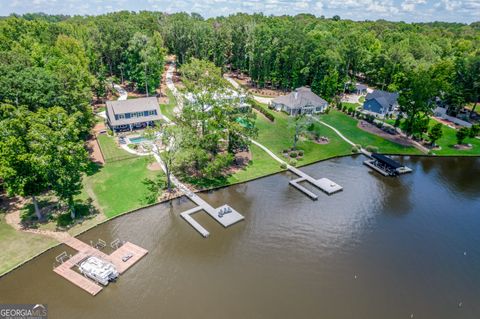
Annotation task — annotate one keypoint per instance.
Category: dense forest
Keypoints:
(60, 65)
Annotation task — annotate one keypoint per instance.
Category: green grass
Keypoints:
(348, 127)
(261, 164)
(17, 246)
(117, 187)
(101, 109)
(110, 149)
(449, 139)
(351, 105)
(167, 109)
(278, 136)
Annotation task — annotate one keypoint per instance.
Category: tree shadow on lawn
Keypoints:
(93, 168)
(57, 214)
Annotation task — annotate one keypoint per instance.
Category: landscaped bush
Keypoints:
(283, 166)
(293, 154)
(300, 153)
(109, 132)
(133, 146)
(372, 149)
(262, 110)
(285, 151)
(370, 118)
(355, 149)
(293, 162)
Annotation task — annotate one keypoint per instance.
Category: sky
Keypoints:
(465, 11)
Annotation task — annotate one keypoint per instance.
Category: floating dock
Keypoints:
(66, 269)
(193, 222)
(326, 185)
(225, 219)
(295, 183)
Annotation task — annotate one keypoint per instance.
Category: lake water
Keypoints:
(384, 248)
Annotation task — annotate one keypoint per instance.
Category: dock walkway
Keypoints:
(324, 184)
(226, 220)
(66, 269)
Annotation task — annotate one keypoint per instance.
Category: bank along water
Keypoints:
(382, 248)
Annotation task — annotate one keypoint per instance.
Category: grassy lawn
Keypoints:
(16, 246)
(260, 165)
(278, 136)
(348, 127)
(110, 149)
(167, 109)
(117, 186)
(449, 139)
(350, 105)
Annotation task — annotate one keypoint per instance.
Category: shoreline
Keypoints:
(211, 189)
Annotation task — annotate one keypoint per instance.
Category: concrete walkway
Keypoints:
(324, 184)
(123, 95)
(173, 89)
(362, 150)
(260, 99)
(225, 220)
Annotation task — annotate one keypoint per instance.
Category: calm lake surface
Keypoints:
(413, 244)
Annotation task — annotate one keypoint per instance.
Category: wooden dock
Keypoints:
(66, 269)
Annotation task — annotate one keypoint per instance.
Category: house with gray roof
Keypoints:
(129, 115)
(381, 103)
(300, 101)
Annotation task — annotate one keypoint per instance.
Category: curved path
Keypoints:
(260, 99)
(171, 87)
(123, 95)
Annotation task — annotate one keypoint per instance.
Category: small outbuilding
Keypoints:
(300, 101)
(361, 89)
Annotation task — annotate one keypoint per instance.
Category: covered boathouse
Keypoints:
(386, 166)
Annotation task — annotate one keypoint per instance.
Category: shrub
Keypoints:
(283, 166)
(372, 149)
(293, 162)
(293, 154)
(474, 130)
(300, 153)
(286, 151)
(264, 111)
(109, 132)
(354, 149)
(133, 146)
(462, 134)
(370, 118)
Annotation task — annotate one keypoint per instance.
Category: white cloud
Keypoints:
(408, 10)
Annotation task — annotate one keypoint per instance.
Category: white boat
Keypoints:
(98, 270)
